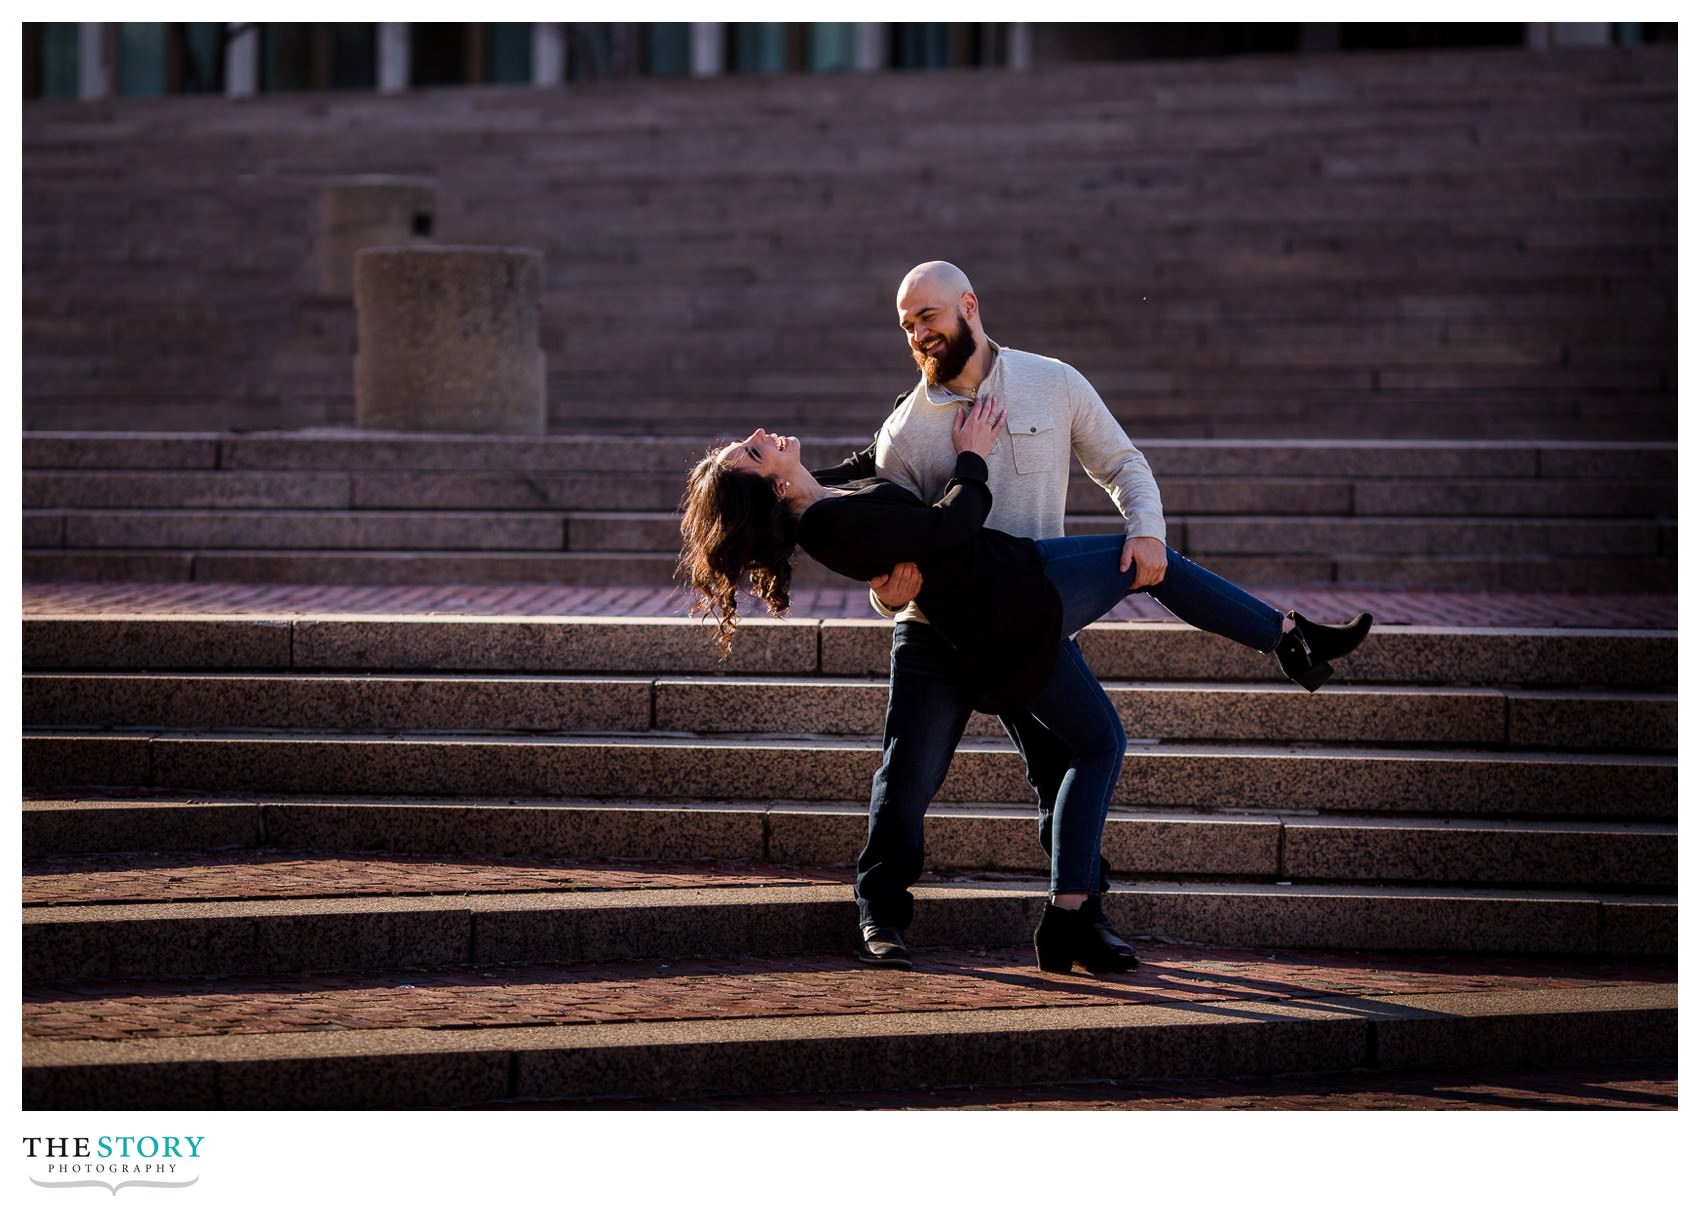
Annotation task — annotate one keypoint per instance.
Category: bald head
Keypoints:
(934, 277)
(937, 307)
(937, 287)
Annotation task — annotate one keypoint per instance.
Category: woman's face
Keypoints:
(771, 457)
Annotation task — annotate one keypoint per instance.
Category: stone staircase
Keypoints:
(341, 506)
(1396, 320)
(370, 861)
(1416, 245)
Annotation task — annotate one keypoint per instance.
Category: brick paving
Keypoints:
(953, 979)
(1436, 608)
(265, 873)
(1620, 1086)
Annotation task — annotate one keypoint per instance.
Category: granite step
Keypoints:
(1165, 347)
(1204, 538)
(321, 332)
(1406, 415)
(1184, 496)
(801, 154)
(1463, 782)
(311, 529)
(353, 451)
(1651, 573)
(1596, 854)
(142, 940)
(374, 567)
(1101, 107)
(802, 166)
(406, 702)
(267, 846)
(399, 1037)
(1225, 140)
(1632, 1085)
(1132, 651)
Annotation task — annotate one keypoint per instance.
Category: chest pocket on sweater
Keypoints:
(1034, 441)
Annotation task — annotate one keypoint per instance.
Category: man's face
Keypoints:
(940, 342)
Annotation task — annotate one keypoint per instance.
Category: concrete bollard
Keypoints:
(448, 339)
(368, 212)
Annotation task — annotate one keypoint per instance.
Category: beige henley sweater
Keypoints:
(1053, 412)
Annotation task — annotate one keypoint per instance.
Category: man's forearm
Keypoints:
(859, 466)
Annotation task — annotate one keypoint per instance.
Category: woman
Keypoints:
(1002, 602)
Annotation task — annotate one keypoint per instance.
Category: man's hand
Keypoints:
(898, 587)
(1148, 557)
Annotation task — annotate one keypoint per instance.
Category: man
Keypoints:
(1052, 412)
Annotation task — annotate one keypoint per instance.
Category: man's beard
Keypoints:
(959, 346)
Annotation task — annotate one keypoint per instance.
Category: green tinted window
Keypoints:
(670, 48)
(508, 57)
(832, 46)
(202, 50)
(758, 46)
(920, 44)
(141, 58)
(59, 60)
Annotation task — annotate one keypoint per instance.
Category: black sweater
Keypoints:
(984, 590)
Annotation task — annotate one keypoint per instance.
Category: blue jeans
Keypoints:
(1072, 757)
(1086, 571)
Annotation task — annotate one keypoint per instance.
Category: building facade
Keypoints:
(91, 60)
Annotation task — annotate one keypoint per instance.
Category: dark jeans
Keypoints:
(1070, 737)
(925, 714)
(1086, 571)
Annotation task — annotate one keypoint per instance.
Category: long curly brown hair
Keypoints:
(732, 524)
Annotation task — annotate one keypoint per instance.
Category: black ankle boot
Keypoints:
(1053, 941)
(1304, 652)
(1067, 937)
(1113, 943)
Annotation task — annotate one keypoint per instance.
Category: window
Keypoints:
(141, 58)
(669, 52)
(51, 61)
(439, 53)
(758, 46)
(507, 56)
(921, 44)
(832, 46)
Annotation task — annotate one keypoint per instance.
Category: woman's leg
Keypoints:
(1086, 570)
(1047, 760)
(1196, 595)
(1078, 712)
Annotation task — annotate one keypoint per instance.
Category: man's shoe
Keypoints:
(1304, 652)
(882, 947)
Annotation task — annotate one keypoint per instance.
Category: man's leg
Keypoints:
(925, 714)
